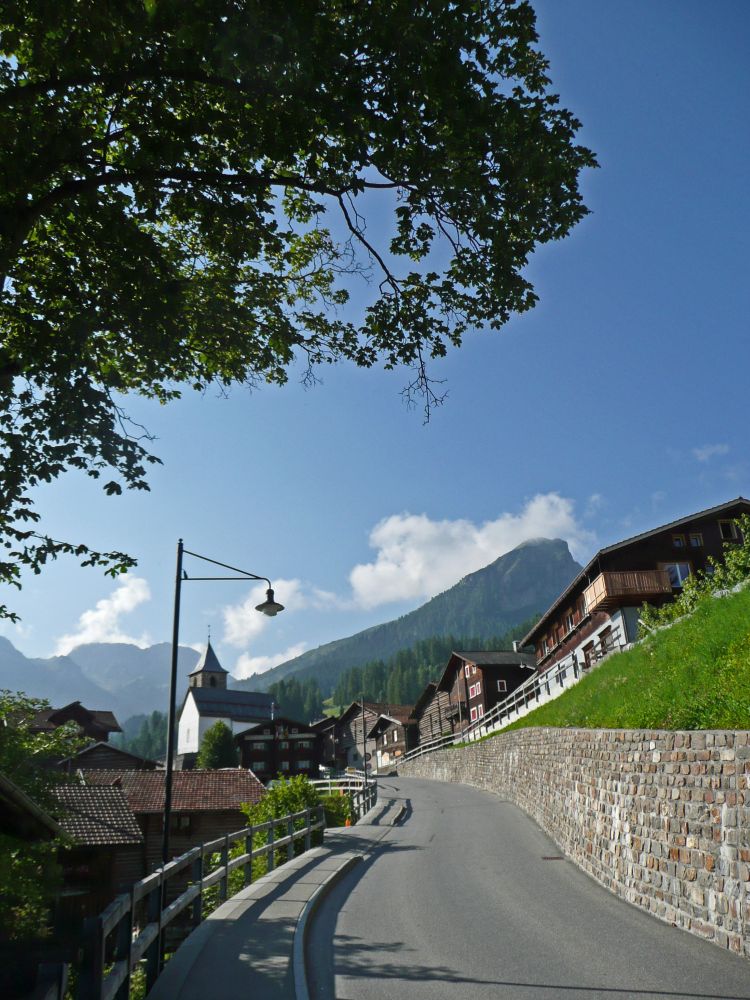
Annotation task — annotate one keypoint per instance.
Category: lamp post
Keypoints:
(268, 607)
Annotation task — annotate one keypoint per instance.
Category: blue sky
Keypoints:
(617, 404)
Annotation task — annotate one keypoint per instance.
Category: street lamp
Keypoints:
(269, 607)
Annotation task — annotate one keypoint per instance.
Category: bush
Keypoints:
(338, 809)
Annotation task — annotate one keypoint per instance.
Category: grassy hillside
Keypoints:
(694, 674)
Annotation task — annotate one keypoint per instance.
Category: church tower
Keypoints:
(209, 673)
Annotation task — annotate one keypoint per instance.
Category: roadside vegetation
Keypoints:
(691, 670)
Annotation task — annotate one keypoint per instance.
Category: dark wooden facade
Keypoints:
(480, 679)
(326, 730)
(104, 756)
(395, 733)
(432, 713)
(351, 726)
(280, 748)
(94, 723)
(599, 610)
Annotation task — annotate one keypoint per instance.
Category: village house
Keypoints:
(104, 756)
(395, 733)
(208, 701)
(598, 612)
(280, 748)
(351, 725)
(326, 730)
(432, 713)
(205, 805)
(477, 680)
(107, 855)
(93, 723)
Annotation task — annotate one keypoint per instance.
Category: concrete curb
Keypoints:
(300, 933)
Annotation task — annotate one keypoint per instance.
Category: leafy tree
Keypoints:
(29, 874)
(184, 202)
(218, 748)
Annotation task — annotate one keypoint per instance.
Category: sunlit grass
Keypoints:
(693, 675)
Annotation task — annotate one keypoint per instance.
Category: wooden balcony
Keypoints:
(611, 590)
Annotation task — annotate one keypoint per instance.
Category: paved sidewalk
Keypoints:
(245, 947)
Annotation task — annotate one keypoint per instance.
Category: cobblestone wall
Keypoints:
(660, 818)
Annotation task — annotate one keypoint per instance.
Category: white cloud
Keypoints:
(242, 622)
(418, 557)
(102, 623)
(708, 451)
(594, 504)
(248, 665)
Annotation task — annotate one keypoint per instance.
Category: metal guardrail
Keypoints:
(113, 946)
(539, 688)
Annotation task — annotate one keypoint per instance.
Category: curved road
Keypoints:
(467, 898)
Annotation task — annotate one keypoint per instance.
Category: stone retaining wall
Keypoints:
(660, 818)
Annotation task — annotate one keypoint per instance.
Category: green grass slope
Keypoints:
(693, 675)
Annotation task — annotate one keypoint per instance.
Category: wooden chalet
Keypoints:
(432, 714)
(93, 723)
(108, 852)
(326, 730)
(351, 727)
(598, 612)
(395, 733)
(280, 748)
(105, 757)
(477, 680)
(205, 805)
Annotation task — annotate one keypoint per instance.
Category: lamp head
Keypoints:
(270, 606)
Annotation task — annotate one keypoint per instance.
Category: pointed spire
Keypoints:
(209, 663)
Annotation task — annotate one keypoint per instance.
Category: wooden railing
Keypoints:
(114, 946)
(362, 789)
(630, 583)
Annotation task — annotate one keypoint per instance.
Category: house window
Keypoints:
(294, 732)
(303, 765)
(678, 572)
(395, 736)
(569, 623)
(728, 531)
(696, 540)
(502, 686)
(259, 746)
(473, 715)
(303, 744)
(467, 671)
(589, 656)
(284, 765)
(284, 745)
(479, 687)
(545, 647)
(472, 690)
(678, 541)
(480, 711)
(180, 824)
(473, 668)
(258, 765)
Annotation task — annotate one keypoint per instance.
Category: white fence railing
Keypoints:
(362, 788)
(536, 691)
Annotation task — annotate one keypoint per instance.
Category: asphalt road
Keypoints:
(469, 899)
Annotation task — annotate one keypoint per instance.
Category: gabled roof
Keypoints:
(398, 715)
(281, 721)
(327, 722)
(51, 718)
(192, 791)
(80, 759)
(485, 658)
(242, 706)
(373, 707)
(722, 508)
(208, 663)
(425, 697)
(97, 816)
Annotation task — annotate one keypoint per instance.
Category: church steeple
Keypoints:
(209, 672)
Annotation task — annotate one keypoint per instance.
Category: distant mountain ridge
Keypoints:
(515, 587)
(117, 676)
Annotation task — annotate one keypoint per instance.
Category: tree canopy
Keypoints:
(218, 748)
(185, 197)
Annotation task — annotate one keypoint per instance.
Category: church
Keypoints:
(208, 701)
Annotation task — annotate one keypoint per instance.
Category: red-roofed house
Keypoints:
(205, 805)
